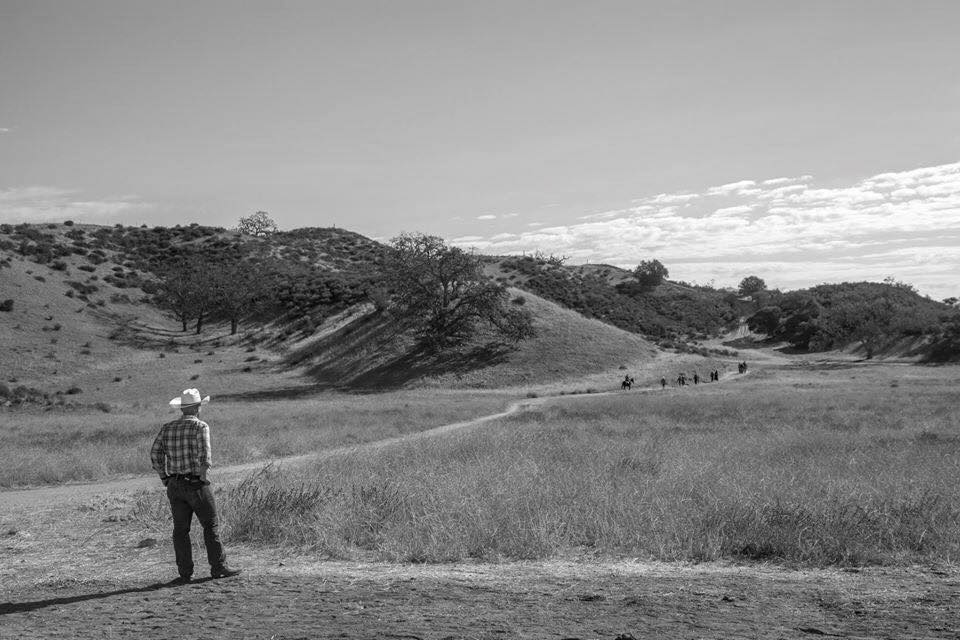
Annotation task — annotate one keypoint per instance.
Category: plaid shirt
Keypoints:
(182, 446)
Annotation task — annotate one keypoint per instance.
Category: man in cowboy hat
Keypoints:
(181, 455)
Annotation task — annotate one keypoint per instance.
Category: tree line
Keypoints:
(440, 290)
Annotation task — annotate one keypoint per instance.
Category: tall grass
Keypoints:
(819, 474)
(60, 446)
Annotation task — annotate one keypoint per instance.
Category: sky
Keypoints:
(803, 142)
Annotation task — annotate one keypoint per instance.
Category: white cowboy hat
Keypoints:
(188, 398)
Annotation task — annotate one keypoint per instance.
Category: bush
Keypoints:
(6, 305)
(72, 391)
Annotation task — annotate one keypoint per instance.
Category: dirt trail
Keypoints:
(59, 495)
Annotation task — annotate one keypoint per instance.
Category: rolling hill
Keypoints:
(79, 321)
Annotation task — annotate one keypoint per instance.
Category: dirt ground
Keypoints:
(518, 600)
(79, 572)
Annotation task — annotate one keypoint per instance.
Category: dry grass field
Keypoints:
(58, 446)
(846, 465)
(798, 500)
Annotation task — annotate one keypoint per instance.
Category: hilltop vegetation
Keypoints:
(874, 316)
(667, 311)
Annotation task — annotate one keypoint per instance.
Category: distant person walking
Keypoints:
(663, 383)
(696, 378)
(181, 456)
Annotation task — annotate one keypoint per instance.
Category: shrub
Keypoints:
(6, 305)
(59, 265)
(72, 391)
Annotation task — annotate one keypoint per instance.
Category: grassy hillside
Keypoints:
(667, 313)
(376, 350)
(79, 325)
(84, 316)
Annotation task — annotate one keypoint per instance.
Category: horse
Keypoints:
(627, 383)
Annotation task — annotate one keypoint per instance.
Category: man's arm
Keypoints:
(158, 456)
(203, 446)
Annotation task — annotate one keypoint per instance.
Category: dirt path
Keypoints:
(71, 493)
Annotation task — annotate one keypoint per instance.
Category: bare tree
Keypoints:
(258, 224)
(238, 288)
(183, 291)
(444, 287)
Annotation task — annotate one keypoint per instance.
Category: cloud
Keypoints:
(5, 129)
(731, 188)
(668, 199)
(733, 212)
(487, 216)
(777, 182)
(790, 231)
(49, 204)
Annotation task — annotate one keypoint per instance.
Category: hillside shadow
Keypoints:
(279, 393)
(423, 361)
(380, 352)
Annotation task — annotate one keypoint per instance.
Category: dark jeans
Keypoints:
(188, 498)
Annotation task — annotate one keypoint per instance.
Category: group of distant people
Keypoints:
(682, 379)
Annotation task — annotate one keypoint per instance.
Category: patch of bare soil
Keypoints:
(536, 600)
(90, 570)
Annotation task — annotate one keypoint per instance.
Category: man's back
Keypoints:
(182, 446)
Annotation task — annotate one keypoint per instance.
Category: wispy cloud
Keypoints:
(487, 216)
(49, 204)
(790, 231)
